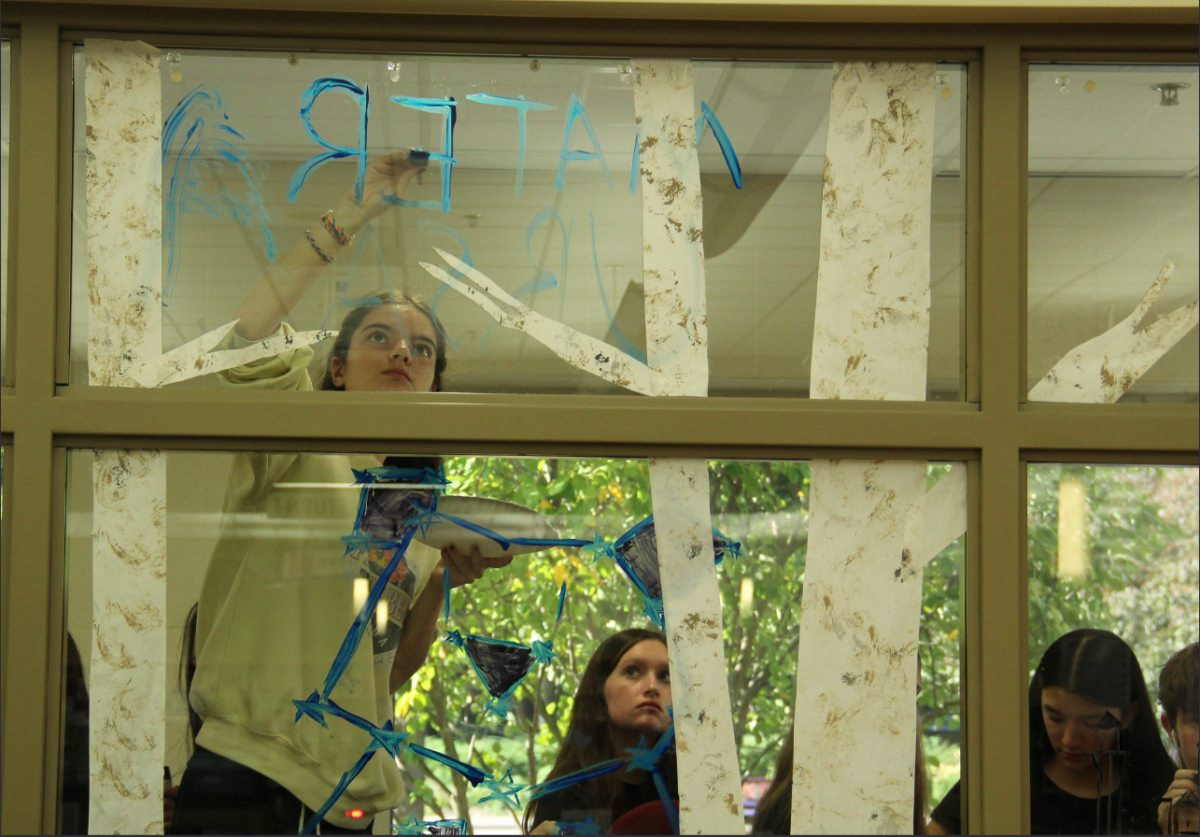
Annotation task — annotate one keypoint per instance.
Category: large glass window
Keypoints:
(542, 197)
(1113, 161)
(282, 552)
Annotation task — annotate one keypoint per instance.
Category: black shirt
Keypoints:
(1054, 811)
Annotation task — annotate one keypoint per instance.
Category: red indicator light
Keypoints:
(355, 814)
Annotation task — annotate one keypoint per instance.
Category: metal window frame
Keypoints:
(995, 431)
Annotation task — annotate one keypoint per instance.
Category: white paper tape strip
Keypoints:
(124, 198)
(710, 795)
(869, 530)
(856, 689)
(871, 333)
(129, 642)
(1103, 369)
(576, 348)
(677, 350)
(672, 226)
(128, 672)
(196, 358)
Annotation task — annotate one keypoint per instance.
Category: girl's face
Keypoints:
(638, 691)
(1072, 723)
(393, 350)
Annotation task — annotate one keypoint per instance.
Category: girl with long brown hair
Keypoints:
(623, 698)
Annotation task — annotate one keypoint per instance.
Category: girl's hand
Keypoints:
(468, 567)
(390, 175)
(1185, 815)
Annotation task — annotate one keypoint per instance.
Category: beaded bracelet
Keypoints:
(328, 258)
(343, 237)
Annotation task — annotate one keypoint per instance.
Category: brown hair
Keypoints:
(354, 319)
(1179, 682)
(588, 741)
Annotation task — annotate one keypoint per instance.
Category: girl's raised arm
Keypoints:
(283, 285)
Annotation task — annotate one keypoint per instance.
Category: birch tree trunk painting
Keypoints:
(127, 689)
(677, 350)
(856, 676)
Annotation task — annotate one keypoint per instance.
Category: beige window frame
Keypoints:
(994, 430)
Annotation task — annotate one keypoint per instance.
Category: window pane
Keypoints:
(1113, 156)
(269, 547)
(1113, 564)
(553, 215)
(5, 145)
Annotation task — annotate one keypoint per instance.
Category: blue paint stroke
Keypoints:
(587, 827)
(548, 277)
(363, 619)
(562, 600)
(635, 166)
(448, 108)
(472, 774)
(187, 146)
(362, 96)
(619, 337)
(585, 775)
(522, 107)
(575, 111)
(731, 159)
(347, 777)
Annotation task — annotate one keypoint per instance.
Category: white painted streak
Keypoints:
(1103, 369)
(856, 676)
(871, 334)
(677, 350)
(196, 358)
(672, 226)
(127, 697)
(710, 796)
(576, 348)
(128, 671)
(935, 521)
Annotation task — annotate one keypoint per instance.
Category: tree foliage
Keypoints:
(1137, 529)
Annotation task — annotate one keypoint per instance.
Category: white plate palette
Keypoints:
(508, 520)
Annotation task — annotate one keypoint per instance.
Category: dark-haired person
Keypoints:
(1087, 699)
(622, 698)
(1178, 687)
(279, 598)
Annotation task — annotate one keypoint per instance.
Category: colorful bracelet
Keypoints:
(328, 258)
(343, 238)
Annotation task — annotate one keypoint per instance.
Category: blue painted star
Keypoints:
(412, 825)
(543, 651)
(311, 707)
(388, 739)
(643, 758)
(506, 788)
(454, 637)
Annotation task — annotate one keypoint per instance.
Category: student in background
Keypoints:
(622, 698)
(1096, 762)
(1178, 685)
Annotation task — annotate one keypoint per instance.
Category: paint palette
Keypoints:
(507, 520)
